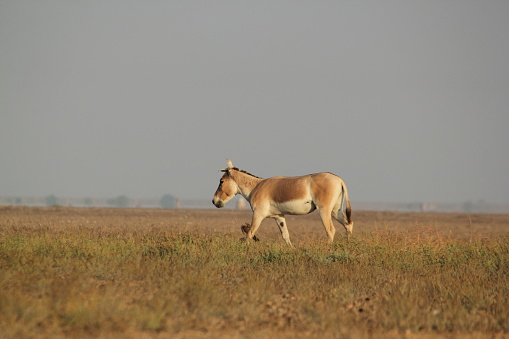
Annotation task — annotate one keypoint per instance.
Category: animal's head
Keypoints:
(228, 188)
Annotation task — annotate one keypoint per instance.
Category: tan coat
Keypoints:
(277, 196)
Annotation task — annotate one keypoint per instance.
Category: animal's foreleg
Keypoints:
(255, 223)
(245, 229)
(281, 223)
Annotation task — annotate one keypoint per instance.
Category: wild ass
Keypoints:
(277, 196)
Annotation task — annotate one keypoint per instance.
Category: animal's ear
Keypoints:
(229, 163)
(229, 168)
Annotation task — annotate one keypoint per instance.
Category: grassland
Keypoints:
(133, 273)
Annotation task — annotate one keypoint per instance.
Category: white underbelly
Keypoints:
(304, 206)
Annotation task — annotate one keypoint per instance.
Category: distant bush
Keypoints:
(168, 201)
(122, 201)
(51, 200)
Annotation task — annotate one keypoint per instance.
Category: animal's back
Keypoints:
(282, 189)
(325, 178)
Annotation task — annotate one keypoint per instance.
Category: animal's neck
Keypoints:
(246, 183)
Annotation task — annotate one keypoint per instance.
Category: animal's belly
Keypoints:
(294, 207)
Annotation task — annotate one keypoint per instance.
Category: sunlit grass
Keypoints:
(57, 280)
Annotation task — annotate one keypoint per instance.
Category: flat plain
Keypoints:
(154, 273)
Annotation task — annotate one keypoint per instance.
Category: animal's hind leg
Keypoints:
(326, 217)
(281, 223)
(340, 216)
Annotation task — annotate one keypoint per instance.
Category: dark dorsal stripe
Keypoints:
(242, 171)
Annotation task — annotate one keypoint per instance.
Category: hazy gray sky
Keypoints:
(406, 100)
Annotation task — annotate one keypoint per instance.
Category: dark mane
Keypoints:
(235, 168)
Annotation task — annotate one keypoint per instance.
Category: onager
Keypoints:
(277, 196)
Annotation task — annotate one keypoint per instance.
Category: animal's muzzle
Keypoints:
(217, 203)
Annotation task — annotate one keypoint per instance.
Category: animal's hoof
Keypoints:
(245, 228)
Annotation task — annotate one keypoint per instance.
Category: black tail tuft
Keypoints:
(348, 212)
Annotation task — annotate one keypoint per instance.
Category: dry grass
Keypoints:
(184, 274)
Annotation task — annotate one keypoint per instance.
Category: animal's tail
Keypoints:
(348, 210)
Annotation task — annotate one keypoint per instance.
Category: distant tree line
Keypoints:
(169, 201)
(121, 201)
